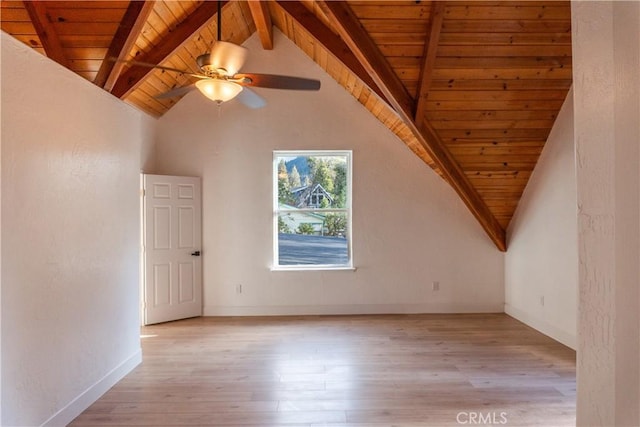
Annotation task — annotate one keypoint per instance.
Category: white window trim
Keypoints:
(349, 210)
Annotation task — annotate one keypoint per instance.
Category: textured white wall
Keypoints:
(71, 157)
(409, 226)
(542, 260)
(626, 45)
(0, 249)
(606, 50)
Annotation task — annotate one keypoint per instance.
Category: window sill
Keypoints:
(314, 268)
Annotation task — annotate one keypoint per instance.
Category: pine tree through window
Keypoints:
(312, 209)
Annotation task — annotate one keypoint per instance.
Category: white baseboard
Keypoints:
(301, 310)
(542, 326)
(93, 393)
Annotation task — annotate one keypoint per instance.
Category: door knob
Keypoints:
(196, 253)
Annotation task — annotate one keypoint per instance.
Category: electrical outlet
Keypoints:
(238, 289)
(435, 286)
(542, 300)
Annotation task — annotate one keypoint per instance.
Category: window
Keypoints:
(312, 209)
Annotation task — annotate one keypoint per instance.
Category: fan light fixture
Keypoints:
(218, 90)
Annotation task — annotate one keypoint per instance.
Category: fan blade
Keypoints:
(179, 91)
(224, 56)
(159, 67)
(274, 81)
(251, 99)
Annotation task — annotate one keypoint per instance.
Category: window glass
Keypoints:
(312, 209)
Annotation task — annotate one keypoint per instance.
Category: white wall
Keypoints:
(606, 37)
(1, 249)
(71, 157)
(541, 264)
(409, 226)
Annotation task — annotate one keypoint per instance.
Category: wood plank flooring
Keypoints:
(360, 371)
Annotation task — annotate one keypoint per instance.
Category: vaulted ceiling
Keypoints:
(471, 87)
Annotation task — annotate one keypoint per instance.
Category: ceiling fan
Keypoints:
(219, 78)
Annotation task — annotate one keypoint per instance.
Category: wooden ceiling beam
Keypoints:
(123, 41)
(365, 50)
(355, 36)
(262, 18)
(429, 59)
(332, 42)
(41, 21)
(133, 76)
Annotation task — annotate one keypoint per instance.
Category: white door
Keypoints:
(172, 227)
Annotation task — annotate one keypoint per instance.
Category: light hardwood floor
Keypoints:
(396, 370)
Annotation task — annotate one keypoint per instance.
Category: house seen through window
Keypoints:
(312, 209)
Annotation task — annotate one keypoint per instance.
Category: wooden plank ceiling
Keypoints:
(471, 87)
